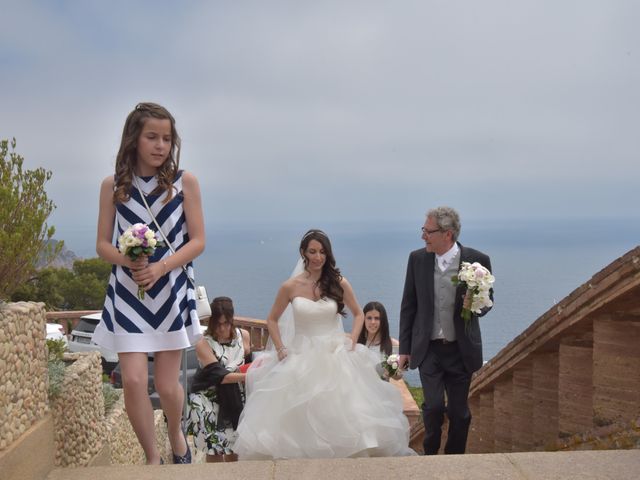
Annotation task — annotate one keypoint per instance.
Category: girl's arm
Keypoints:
(205, 353)
(353, 305)
(235, 377)
(246, 341)
(206, 357)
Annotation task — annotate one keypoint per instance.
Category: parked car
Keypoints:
(192, 366)
(56, 332)
(81, 341)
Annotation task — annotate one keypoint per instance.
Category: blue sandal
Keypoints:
(184, 459)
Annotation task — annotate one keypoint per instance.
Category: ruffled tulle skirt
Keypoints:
(323, 401)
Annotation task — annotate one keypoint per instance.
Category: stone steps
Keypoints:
(588, 465)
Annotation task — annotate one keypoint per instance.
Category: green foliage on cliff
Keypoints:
(82, 288)
(23, 219)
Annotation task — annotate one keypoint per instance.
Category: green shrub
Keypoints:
(111, 396)
(56, 348)
(24, 231)
(56, 377)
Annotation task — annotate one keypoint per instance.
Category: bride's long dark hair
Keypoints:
(329, 282)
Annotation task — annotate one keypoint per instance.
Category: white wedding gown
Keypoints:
(324, 400)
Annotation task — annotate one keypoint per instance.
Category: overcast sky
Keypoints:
(337, 110)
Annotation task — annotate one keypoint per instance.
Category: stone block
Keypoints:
(473, 440)
(522, 408)
(503, 403)
(485, 422)
(545, 398)
(575, 389)
(616, 370)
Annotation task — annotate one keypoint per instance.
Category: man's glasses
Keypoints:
(430, 232)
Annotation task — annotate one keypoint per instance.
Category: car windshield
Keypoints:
(87, 325)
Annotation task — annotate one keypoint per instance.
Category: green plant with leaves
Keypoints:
(23, 220)
(56, 376)
(56, 348)
(111, 396)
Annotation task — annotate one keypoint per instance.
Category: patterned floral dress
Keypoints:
(203, 407)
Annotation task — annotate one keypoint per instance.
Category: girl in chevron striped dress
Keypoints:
(165, 320)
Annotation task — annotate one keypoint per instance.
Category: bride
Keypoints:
(315, 393)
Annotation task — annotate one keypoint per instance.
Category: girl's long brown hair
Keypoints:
(330, 277)
(128, 153)
(383, 332)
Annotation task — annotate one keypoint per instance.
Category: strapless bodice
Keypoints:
(316, 318)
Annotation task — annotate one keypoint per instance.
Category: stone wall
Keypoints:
(122, 442)
(23, 369)
(572, 378)
(81, 432)
(78, 412)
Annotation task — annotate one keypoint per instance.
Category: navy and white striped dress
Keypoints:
(166, 319)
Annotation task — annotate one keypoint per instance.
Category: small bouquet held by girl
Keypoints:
(138, 240)
(391, 367)
(479, 282)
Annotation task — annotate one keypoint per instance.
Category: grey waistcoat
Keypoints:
(444, 296)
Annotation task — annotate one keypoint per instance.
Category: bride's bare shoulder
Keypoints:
(289, 284)
(293, 283)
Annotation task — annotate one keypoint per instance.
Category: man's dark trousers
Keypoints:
(443, 371)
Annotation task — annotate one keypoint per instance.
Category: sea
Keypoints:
(536, 263)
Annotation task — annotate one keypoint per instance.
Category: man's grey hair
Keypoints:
(447, 219)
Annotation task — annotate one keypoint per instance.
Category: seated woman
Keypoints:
(375, 334)
(217, 390)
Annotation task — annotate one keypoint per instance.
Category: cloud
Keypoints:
(342, 110)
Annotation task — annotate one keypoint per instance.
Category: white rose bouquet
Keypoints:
(391, 366)
(479, 282)
(138, 240)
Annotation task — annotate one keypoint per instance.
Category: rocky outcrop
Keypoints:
(64, 259)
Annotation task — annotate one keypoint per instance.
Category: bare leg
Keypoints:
(136, 400)
(167, 368)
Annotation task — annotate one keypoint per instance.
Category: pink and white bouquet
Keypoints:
(479, 282)
(391, 366)
(138, 240)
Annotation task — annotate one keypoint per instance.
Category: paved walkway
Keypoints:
(585, 465)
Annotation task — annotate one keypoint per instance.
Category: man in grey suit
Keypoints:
(433, 335)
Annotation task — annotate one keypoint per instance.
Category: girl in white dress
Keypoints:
(316, 393)
(375, 334)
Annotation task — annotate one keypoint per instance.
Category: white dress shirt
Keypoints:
(445, 259)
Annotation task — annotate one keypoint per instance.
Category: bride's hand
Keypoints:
(282, 353)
